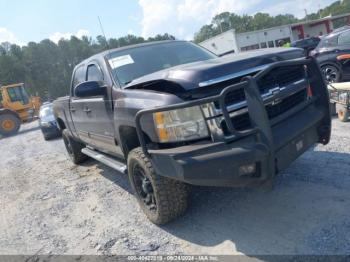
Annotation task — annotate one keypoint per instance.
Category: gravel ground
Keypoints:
(50, 206)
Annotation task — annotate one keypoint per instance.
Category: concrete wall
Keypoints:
(251, 40)
(223, 43)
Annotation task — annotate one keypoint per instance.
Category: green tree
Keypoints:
(46, 67)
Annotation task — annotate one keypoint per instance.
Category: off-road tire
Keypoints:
(16, 124)
(170, 195)
(343, 114)
(74, 148)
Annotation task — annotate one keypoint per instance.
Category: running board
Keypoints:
(107, 160)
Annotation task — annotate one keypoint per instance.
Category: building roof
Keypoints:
(327, 18)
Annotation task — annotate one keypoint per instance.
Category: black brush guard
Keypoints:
(261, 125)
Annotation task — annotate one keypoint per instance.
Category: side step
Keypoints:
(107, 160)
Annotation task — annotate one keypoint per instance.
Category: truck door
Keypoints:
(77, 105)
(99, 115)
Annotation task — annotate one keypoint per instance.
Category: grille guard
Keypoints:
(256, 107)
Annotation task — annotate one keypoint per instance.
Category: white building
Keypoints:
(222, 44)
(229, 41)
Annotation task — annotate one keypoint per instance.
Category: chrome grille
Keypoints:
(278, 77)
(242, 122)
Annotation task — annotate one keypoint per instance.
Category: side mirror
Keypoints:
(90, 88)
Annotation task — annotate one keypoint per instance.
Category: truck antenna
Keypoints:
(103, 32)
(107, 45)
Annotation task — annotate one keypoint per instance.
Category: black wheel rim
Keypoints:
(330, 73)
(144, 188)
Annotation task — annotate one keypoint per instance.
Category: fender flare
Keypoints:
(335, 64)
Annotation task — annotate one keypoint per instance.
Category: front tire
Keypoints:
(161, 199)
(74, 148)
(331, 73)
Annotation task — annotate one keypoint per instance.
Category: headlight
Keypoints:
(180, 124)
(45, 124)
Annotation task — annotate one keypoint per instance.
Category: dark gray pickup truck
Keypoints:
(171, 114)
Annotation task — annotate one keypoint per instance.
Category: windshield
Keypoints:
(133, 63)
(18, 94)
(328, 42)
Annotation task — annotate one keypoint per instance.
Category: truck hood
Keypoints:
(194, 75)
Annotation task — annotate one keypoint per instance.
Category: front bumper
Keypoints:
(50, 130)
(270, 144)
(218, 164)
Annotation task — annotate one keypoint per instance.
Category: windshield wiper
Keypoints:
(127, 82)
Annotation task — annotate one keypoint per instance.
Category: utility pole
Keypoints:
(319, 11)
(306, 18)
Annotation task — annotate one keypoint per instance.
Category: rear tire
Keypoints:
(160, 198)
(343, 114)
(9, 124)
(74, 148)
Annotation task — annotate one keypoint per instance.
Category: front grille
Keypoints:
(281, 76)
(242, 122)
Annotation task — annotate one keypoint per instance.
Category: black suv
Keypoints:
(333, 55)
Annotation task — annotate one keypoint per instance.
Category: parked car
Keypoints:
(172, 113)
(308, 44)
(47, 122)
(333, 55)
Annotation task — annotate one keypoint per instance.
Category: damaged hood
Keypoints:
(193, 75)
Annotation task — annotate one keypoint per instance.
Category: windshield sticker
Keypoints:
(120, 61)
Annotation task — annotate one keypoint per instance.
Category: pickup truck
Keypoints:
(172, 114)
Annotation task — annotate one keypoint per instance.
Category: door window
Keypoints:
(344, 38)
(18, 94)
(94, 73)
(79, 76)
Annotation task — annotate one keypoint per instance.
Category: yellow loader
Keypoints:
(16, 107)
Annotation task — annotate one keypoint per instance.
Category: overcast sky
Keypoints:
(34, 20)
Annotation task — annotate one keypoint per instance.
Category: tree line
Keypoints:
(46, 67)
(245, 23)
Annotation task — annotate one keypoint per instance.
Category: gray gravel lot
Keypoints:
(50, 206)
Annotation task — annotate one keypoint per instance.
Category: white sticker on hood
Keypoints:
(120, 61)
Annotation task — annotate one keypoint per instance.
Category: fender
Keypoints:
(9, 111)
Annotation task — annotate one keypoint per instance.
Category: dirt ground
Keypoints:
(50, 206)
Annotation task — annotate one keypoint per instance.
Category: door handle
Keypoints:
(87, 110)
(72, 109)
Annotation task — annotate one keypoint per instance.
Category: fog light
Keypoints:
(248, 169)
